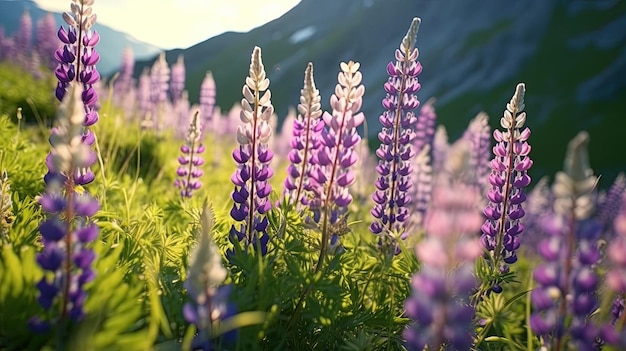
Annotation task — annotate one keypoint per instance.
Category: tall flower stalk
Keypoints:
(395, 151)
(253, 157)
(439, 304)
(77, 58)
(209, 298)
(68, 230)
(336, 155)
(189, 170)
(508, 179)
(567, 280)
(307, 127)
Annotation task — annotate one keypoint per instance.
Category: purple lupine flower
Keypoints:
(439, 304)
(425, 125)
(612, 202)
(567, 279)
(68, 230)
(24, 38)
(159, 83)
(616, 277)
(508, 179)
(177, 80)
(332, 174)
(189, 171)
(253, 158)
(395, 151)
(209, 298)
(123, 84)
(207, 103)
(77, 58)
(424, 139)
(440, 149)
(46, 40)
(613, 333)
(421, 189)
(478, 133)
(307, 127)
(144, 104)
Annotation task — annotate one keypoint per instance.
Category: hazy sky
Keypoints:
(180, 23)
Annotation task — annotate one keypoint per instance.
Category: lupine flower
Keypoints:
(396, 152)
(189, 171)
(6, 212)
(616, 277)
(440, 149)
(439, 304)
(159, 86)
(612, 202)
(567, 280)
(307, 127)
(613, 332)
(77, 58)
(478, 133)
(177, 80)
(68, 229)
(425, 125)
(47, 40)
(123, 89)
(332, 174)
(24, 38)
(508, 179)
(253, 157)
(207, 102)
(422, 188)
(209, 298)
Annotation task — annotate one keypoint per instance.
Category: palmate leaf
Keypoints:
(115, 311)
(502, 323)
(18, 276)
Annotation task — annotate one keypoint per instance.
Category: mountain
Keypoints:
(570, 53)
(111, 45)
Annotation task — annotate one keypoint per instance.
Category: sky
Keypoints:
(172, 24)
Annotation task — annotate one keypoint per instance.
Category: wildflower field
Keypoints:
(130, 220)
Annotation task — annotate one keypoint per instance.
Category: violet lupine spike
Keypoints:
(253, 158)
(159, 85)
(332, 175)
(68, 230)
(124, 82)
(425, 126)
(567, 280)
(209, 298)
(440, 149)
(46, 40)
(177, 80)
(207, 103)
(616, 277)
(24, 39)
(479, 135)
(439, 303)
(189, 171)
(77, 58)
(508, 179)
(307, 127)
(392, 199)
(609, 207)
(422, 189)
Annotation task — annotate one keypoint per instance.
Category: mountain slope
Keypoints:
(570, 54)
(111, 45)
